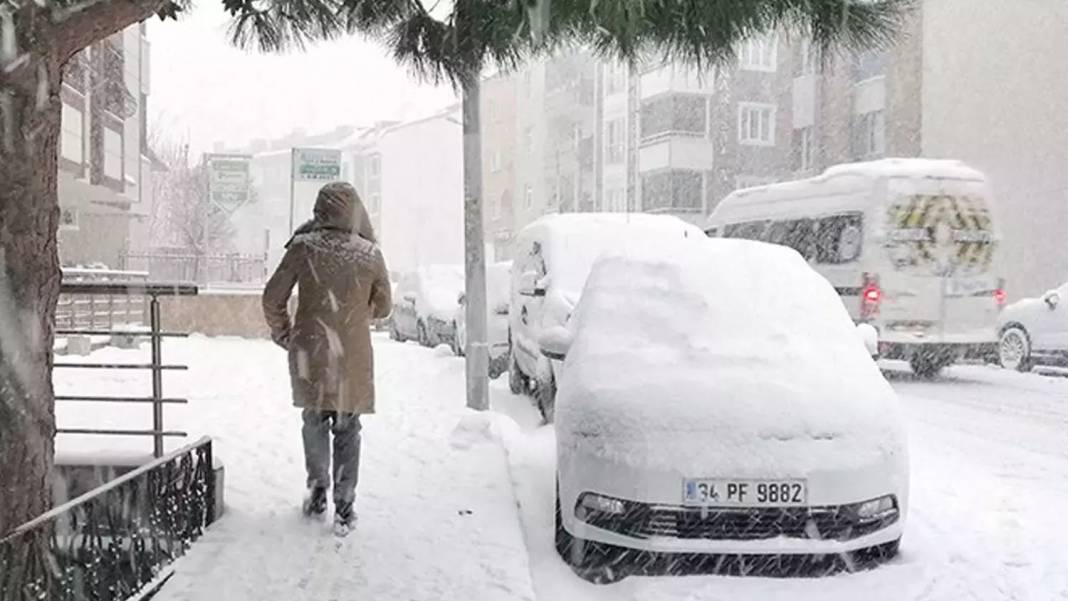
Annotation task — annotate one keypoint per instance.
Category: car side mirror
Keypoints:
(530, 285)
(1052, 299)
(555, 343)
(501, 308)
(870, 337)
(410, 298)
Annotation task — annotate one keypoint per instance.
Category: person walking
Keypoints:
(342, 285)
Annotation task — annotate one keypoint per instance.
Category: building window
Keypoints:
(804, 149)
(672, 189)
(675, 114)
(615, 79)
(759, 54)
(68, 218)
(869, 135)
(495, 160)
(806, 64)
(752, 181)
(869, 64)
(73, 134)
(614, 141)
(529, 193)
(756, 124)
(112, 154)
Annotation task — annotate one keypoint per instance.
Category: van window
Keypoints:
(751, 230)
(798, 234)
(839, 238)
(941, 234)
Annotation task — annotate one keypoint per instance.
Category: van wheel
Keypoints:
(518, 382)
(545, 397)
(394, 333)
(1014, 349)
(592, 561)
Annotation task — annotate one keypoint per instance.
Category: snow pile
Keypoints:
(722, 356)
(474, 429)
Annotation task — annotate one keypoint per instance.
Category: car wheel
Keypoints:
(518, 382)
(592, 561)
(424, 338)
(545, 396)
(1014, 349)
(394, 333)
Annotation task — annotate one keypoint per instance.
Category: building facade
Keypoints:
(105, 165)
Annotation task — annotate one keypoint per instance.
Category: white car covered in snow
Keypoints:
(424, 305)
(1034, 331)
(497, 280)
(704, 411)
(553, 256)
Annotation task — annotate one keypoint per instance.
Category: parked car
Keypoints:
(701, 410)
(424, 305)
(1034, 331)
(497, 281)
(911, 246)
(553, 257)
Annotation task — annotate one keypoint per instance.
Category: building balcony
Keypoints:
(675, 150)
(675, 79)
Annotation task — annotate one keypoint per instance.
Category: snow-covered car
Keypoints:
(497, 280)
(1034, 331)
(553, 256)
(424, 305)
(703, 411)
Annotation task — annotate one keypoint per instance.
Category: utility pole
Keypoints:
(474, 252)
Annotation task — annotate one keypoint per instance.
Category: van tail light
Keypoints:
(1000, 296)
(871, 295)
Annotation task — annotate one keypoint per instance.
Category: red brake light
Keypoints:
(1000, 297)
(872, 295)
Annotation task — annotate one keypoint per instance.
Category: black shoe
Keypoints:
(344, 519)
(315, 502)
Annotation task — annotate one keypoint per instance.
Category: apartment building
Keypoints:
(105, 164)
(499, 161)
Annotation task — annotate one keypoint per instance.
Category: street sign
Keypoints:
(316, 165)
(229, 180)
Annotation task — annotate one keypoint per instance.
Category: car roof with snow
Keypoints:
(573, 241)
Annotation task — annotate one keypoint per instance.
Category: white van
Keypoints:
(553, 257)
(909, 244)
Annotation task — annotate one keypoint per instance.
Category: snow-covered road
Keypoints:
(989, 452)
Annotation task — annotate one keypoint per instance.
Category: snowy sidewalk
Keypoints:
(437, 515)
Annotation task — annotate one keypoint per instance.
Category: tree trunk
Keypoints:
(30, 112)
(474, 253)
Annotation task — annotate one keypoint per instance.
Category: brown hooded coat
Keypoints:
(342, 284)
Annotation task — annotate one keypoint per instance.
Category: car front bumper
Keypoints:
(661, 524)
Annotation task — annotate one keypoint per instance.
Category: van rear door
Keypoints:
(941, 243)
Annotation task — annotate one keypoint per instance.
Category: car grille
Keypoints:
(644, 521)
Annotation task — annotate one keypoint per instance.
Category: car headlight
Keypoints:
(876, 509)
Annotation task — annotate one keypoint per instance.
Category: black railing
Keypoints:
(153, 291)
(113, 541)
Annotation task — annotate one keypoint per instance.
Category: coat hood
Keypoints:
(339, 207)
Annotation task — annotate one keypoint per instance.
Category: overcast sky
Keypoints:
(204, 90)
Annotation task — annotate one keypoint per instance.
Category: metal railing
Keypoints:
(218, 268)
(155, 334)
(112, 542)
(87, 312)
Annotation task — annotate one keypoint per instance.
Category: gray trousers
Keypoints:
(318, 425)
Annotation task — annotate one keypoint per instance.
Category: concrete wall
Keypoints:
(995, 94)
(422, 192)
(215, 314)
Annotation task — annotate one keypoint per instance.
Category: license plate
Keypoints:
(726, 492)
